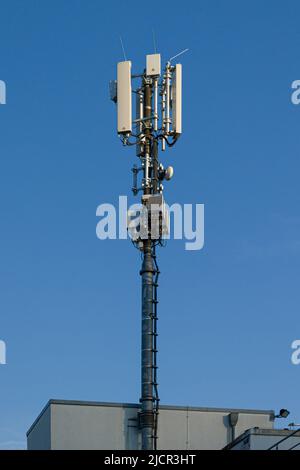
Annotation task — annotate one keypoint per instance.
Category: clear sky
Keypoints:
(70, 303)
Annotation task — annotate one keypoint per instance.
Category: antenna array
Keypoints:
(157, 124)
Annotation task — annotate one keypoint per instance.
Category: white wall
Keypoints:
(82, 425)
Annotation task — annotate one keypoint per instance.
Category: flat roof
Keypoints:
(135, 405)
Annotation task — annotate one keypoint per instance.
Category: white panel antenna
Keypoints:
(153, 65)
(177, 100)
(124, 100)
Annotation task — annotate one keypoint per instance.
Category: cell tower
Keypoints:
(157, 124)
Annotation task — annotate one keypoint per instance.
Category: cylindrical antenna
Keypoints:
(155, 126)
(154, 41)
(147, 145)
(168, 85)
(177, 55)
(163, 116)
(139, 117)
(123, 49)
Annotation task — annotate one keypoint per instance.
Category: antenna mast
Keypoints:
(154, 129)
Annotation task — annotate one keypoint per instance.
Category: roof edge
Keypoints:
(135, 405)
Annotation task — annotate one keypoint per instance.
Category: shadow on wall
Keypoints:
(130, 429)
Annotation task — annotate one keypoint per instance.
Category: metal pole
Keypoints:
(147, 399)
(147, 271)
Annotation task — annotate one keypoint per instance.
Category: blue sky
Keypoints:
(70, 303)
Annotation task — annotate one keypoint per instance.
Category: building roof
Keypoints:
(135, 405)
